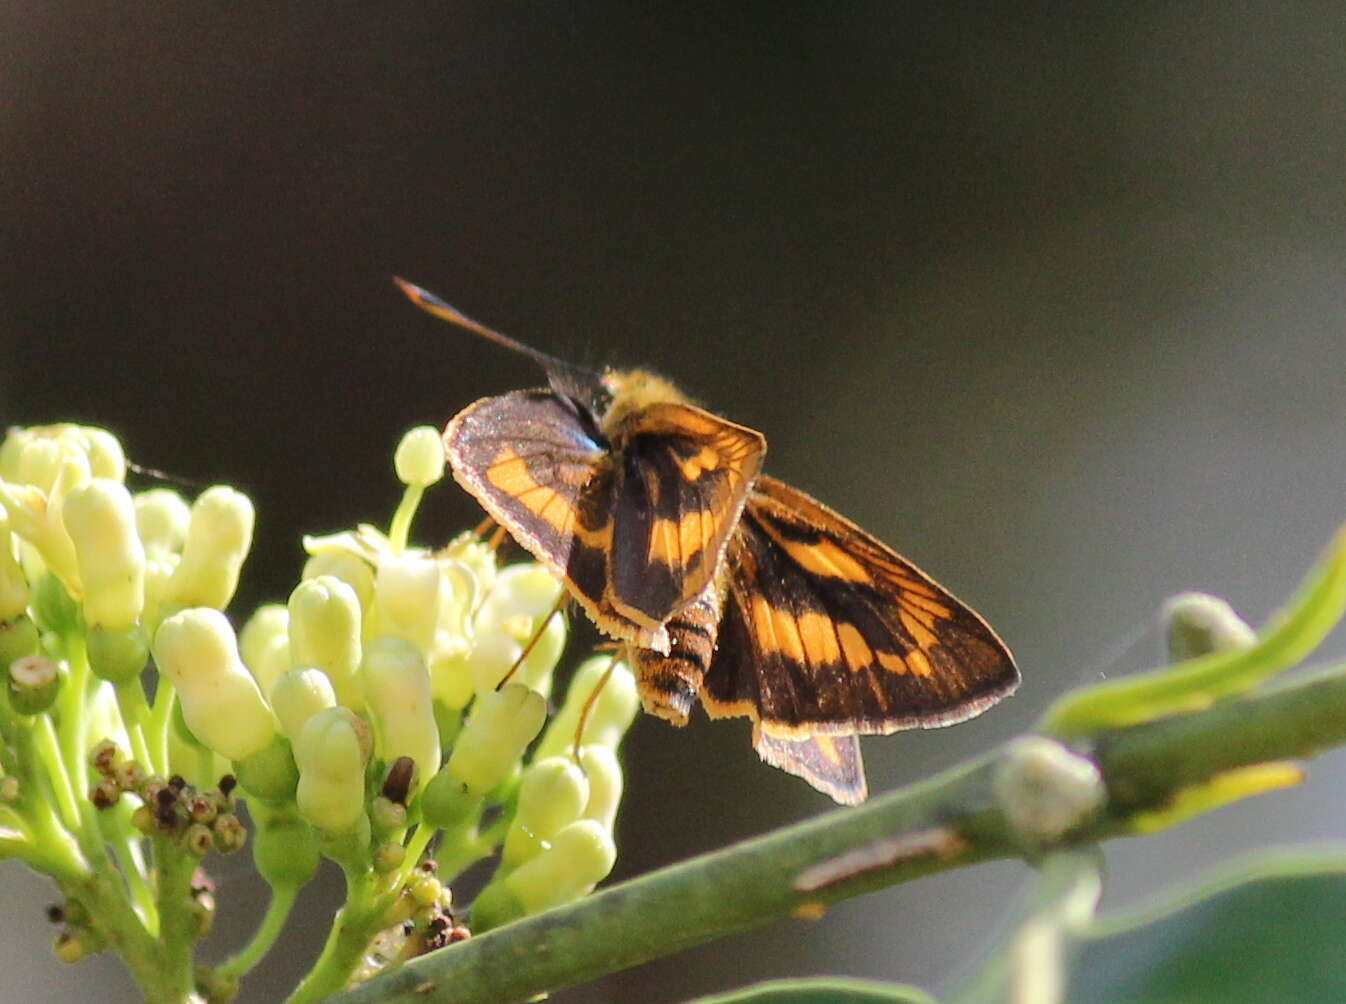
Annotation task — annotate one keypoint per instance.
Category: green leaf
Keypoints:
(821, 990)
(1268, 930)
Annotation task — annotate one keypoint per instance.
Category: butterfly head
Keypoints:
(634, 391)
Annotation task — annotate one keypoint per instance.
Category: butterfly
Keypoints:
(725, 585)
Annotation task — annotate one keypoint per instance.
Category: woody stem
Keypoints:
(1144, 767)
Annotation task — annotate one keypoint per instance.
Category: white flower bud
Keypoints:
(604, 774)
(325, 632)
(267, 621)
(197, 652)
(397, 693)
(162, 518)
(580, 856)
(406, 597)
(609, 717)
(104, 450)
(553, 794)
(14, 589)
(298, 695)
(218, 538)
(331, 765)
(419, 459)
(350, 569)
(502, 725)
(100, 519)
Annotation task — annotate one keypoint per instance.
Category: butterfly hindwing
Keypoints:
(826, 630)
(682, 479)
(831, 763)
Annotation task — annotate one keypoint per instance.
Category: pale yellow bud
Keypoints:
(100, 519)
(451, 676)
(162, 518)
(104, 450)
(298, 695)
(197, 652)
(502, 725)
(268, 621)
(580, 856)
(553, 794)
(604, 774)
(159, 568)
(397, 693)
(609, 717)
(419, 459)
(14, 589)
(218, 538)
(325, 632)
(356, 572)
(331, 771)
(406, 597)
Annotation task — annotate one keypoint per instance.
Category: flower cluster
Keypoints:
(398, 695)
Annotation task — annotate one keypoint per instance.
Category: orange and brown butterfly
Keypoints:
(725, 585)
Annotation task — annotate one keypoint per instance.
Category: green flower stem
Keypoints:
(1294, 632)
(115, 826)
(367, 903)
(159, 722)
(72, 703)
(135, 711)
(752, 883)
(177, 922)
(43, 748)
(415, 847)
(273, 922)
(103, 896)
(400, 528)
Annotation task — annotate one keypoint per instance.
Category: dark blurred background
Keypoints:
(1050, 299)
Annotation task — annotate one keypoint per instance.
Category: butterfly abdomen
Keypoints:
(669, 684)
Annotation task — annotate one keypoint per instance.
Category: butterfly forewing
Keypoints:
(683, 478)
(826, 630)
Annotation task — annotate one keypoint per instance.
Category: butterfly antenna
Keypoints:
(436, 307)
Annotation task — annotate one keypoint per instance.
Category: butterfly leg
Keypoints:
(483, 526)
(617, 654)
(532, 642)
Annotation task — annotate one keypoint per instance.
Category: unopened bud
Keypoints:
(1045, 790)
(553, 794)
(162, 518)
(331, 760)
(397, 693)
(406, 596)
(325, 632)
(13, 583)
(298, 695)
(355, 572)
(502, 725)
(101, 521)
(604, 773)
(419, 459)
(196, 650)
(1198, 624)
(580, 856)
(218, 538)
(609, 716)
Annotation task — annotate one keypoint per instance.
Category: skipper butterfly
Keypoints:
(725, 585)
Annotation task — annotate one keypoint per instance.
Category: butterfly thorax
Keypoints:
(633, 392)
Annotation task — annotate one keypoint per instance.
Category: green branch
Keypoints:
(952, 820)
